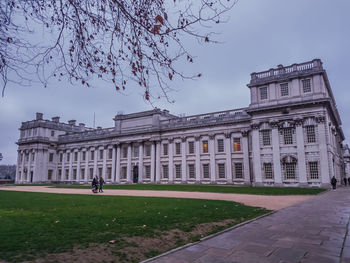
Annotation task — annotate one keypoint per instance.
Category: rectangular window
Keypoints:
(148, 171)
(75, 156)
(49, 175)
(205, 146)
(306, 85)
(237, 144)
(221, 170)
(91, 173)
(165, 171)
(74, 174)
(263, 93)
(136, 151)
(67, 174)
(165, 149)
(266, 137)
(110, 153)
(61, 157)
(109, 173)
(178, 171)
(191, 147)
(51, 157)
(125, 152)
(52, 133)
(148, 150)
(239, 170)
(206, 174)
(288, 135)
(290, 170)
(101, 154)
(68, 157)
(27, 157)
(220, 145)
(284, 89)
(177, 148)
(84, 156)
(310, 134)
(123, 172)
(313, 170)
(82, 174)
(92, 155)
(191, 171)
(59, 174)
(268, 171)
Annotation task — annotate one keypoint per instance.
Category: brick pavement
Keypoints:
(314, 231)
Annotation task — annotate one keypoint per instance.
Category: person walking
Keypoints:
(345, 181)
(94, 185)
(101, 181)
(334, 183)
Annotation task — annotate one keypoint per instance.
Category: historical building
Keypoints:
(290, 135)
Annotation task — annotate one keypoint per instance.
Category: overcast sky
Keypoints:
(259, 35)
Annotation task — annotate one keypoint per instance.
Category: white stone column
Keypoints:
(28, 165)
(324, 161)
(104, 163)
(128, 171)
(78, 166)
(71, 156)
(113, 163)
(171, 160)
(153, 160)
(183, 160)
(198, 160)
(276, 156)
(17, 178)
(256, 155)
(118, 164)
(86, 172)
(212, 158)
(140, 162)
(95, 161)
(228, 158)
(22, 167)
(246, 165)
(301, 153)
(42, 165)
(63, 174)
(158, 161)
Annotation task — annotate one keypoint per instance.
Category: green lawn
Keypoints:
(213, 189)
(33, 225)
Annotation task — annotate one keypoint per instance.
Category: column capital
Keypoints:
(171, 139)
(320, 119)
(244, 133)
(197, 137)
(298, 121)
(211, 136)
(255, 126)
(227, 134)
(183, 139)
(274, 124)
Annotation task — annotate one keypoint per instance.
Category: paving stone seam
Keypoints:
(208, 237)
(344, 241)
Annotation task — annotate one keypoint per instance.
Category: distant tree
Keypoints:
(115, 40)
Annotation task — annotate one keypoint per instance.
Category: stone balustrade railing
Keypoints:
(315, 64)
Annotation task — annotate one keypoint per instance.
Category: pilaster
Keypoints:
(141, 162)
(277, 172)
(301, 152)
(212, 158)
(171, 160)
(128, 169)
(157, 161)
(198, 161)
(153, 161)
(324, 161)
(245, 157)
(256, 154)
(183, 160)
(118, 165)
(228, 157)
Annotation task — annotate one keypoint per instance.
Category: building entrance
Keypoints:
(135, 175)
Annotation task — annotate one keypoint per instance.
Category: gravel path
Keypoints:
(267, 201)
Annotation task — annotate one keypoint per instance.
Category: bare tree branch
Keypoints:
(118, 41)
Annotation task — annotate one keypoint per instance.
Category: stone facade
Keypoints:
(290, 135)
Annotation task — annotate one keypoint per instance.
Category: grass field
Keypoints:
(212, 188)
(59, 228)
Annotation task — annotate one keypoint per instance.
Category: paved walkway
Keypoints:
(267, 201)
(313, 231)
